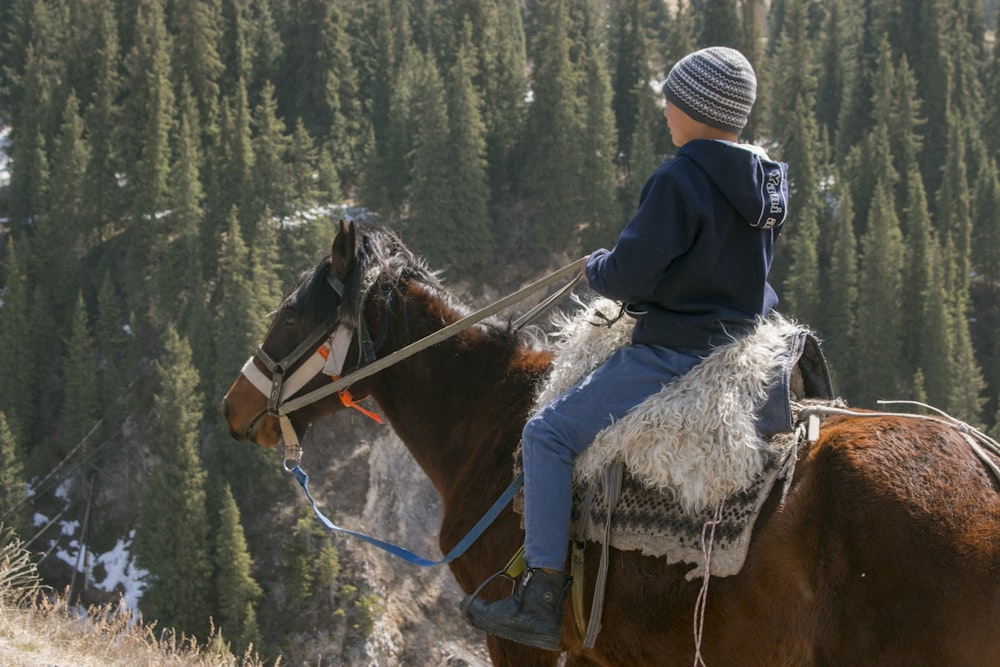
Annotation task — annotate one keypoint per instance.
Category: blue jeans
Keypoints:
(561, 430)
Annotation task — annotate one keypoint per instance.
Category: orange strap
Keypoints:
(345, 395)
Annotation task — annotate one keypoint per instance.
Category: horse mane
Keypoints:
(382, 257)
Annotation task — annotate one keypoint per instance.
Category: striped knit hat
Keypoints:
(716, 86)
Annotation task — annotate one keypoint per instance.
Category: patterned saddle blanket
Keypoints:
(705, 450)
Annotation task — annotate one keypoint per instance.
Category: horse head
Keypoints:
(315, 321)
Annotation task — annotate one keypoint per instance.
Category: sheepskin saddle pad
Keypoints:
(704, 451)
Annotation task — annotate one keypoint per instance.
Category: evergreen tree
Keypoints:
(430, 227)
(266, 47)
(19, 380)
(232, 183)
(178, 561)
(838, 107)
(796, 130)
(986, 229)
(720, 24)
(238, 592)
(13, 497)
(177, 279)
(240, 322)
(752, 46)
(150, 106)
(271, 145)
(555, 126)
(385, 180)
(503, 85)
(599, 213)
(681, 35)
(955, 222)
(991, 112)
(471, 244)
(628, 53)
(196, 26)
(877, 347)
(79, 380)
(319, 84)
(102, 112)
(840, 286)
(311, 175)
(57, 234)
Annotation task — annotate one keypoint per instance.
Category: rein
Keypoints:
(333, 338)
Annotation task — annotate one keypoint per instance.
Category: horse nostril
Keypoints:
(225, 409)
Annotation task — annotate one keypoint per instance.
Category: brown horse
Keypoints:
(886, 550)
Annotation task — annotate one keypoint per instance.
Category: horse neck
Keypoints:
(458, 406)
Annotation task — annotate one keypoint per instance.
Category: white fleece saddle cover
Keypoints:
(714, 440)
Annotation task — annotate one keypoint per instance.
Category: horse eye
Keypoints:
(290, 320)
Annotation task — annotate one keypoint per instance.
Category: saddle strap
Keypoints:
(612, 483)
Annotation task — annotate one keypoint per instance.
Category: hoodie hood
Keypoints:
(755, 185)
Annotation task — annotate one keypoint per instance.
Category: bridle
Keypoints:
(333, 351)
(330, 343)
(324, 351)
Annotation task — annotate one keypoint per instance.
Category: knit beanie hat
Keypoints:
(716, 86)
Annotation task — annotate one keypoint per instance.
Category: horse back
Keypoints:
(884, 552)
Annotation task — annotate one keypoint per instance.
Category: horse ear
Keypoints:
(343, 254)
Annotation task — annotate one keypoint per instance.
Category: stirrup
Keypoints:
(471, 597)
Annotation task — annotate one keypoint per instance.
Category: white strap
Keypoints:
(340, 341)
(330, 364)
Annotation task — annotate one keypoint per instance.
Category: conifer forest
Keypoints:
(169, 167)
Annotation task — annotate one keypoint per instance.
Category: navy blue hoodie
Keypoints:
(692, 263)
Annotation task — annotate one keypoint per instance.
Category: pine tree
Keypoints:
(150, 106)
(196, 26)
(102, 200)
(681, 34)
(965, 400)
(628, 53)
(503, 85)
(986, 229)
(471, 246)
(796, 130)
(752, 46)
(239, 324)
(720, 24)
(271, 145)
(18, 382)
(13, 497)
(430, 226)
(238, 592)
(991, 117)
(837, 103)
(555, 126)
(385, 179)
(879, 317)
(177, 279)
(80, 409)
(178, 561)
(840, 286)
(229, 183)
(58, 234)
(599, 214)
(319, 83)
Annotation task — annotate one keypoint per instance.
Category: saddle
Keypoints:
(704, 451)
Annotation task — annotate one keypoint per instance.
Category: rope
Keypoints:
(701, 603)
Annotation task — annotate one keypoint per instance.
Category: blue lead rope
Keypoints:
(399, 551)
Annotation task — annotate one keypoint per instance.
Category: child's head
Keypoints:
(716, 87)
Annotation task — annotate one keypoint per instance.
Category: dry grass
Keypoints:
(40, 628)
